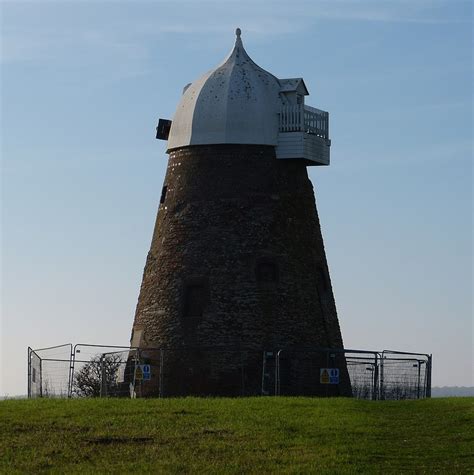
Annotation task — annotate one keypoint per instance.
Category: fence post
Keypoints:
(103, 377)
(29, 372)
(160, 381)
(41, 377)
(72, 356)
(375, 378)
(277, 373)
(428, 376)
(419, 362)
(266, 374)
(72, 362)
(264, 368)
(137, 362)
(382, 387)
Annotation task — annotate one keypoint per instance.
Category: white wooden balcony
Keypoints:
(303, 132)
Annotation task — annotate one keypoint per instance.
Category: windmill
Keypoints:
(237, 259)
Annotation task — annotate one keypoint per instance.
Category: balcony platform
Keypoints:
(304, 134)
(302, 145)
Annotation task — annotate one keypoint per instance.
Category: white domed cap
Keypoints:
(236, 103)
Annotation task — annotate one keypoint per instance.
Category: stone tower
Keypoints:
(237, 267)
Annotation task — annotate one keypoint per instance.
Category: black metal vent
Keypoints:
(163, 129)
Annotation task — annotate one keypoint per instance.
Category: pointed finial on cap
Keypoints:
(238, 32)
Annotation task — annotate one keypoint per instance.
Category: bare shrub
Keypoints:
(88, 382)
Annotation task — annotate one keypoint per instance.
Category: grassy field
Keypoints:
(252, 435)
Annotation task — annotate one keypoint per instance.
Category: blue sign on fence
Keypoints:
(146, 370)
(333, 376)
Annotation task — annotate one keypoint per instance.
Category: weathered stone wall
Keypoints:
(231, 215)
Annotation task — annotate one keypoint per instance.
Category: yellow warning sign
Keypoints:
(138, 373)
(324, 376)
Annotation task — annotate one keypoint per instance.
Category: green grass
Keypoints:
(249, 435)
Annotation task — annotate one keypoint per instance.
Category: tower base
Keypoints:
(237, 261)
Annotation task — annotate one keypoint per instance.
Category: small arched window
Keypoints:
(196, 298)
(194, 301)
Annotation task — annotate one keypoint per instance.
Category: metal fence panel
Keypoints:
(201, 372)
(363, 373)
(101, 370)
(49, 371)
(404, 375)
(301, 371)
(34, 374)
(116, 371)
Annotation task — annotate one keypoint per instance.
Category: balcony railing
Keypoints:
(307, 119)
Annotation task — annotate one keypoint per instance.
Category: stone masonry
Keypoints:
(237, 261)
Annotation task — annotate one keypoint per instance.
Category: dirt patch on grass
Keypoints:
(216, 432)
(118, 440)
